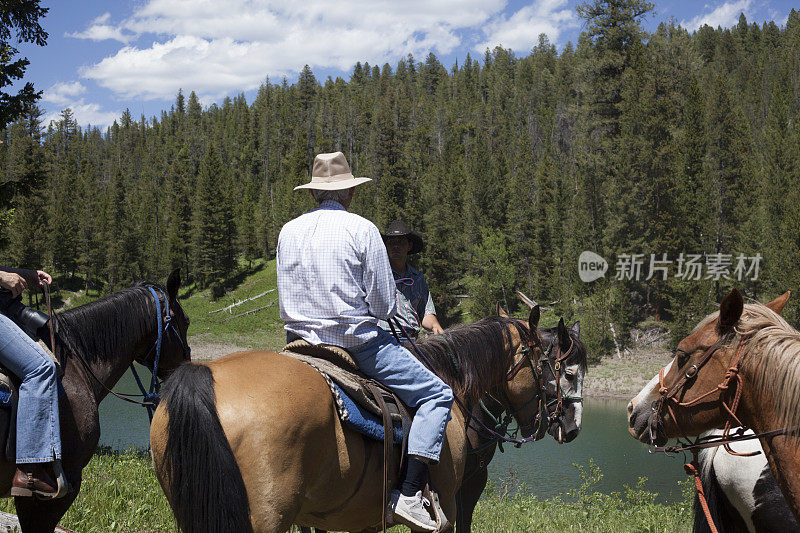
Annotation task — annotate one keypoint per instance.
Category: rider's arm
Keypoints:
(377, 277)
(429, 320)
(34, 277)
(18, 279)
(431, 323)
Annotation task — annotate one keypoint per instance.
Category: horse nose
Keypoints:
(571, 434)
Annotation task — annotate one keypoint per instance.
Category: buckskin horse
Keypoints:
(95, 344)
(739, 367)
(252, 441)
(489, 419)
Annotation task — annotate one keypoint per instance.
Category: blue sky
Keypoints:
(105, 56)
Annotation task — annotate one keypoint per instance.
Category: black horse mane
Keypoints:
(110, 325)
(472, 358)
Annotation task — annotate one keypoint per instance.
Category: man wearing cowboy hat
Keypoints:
(415, 307)
(334, 284)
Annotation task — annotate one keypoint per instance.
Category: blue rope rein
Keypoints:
(150, 399)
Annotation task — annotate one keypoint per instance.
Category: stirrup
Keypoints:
(61, 479)
(442, 524)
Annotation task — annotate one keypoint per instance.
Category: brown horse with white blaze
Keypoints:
(252, 441)
(740, 364)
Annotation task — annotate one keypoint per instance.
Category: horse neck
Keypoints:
(758, 411)
(102, 367)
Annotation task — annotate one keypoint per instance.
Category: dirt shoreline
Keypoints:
(618, 378)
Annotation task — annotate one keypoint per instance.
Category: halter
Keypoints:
(669, 396)
(557, 370)
(151, 399)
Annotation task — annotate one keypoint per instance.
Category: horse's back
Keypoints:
(268, 390)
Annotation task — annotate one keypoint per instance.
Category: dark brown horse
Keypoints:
(483, 446)
(96, 343)
(740, 365)
(252, 441)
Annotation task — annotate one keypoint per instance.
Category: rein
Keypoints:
(510, 374)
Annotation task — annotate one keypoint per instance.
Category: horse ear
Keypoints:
(779, 303)
(563, 335)
(576, 328)
(730, 310)
(499, 311)
(173, 283)
(533, 318)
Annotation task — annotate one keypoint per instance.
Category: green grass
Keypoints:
(261, 329)
(120, 493)
(511, 508)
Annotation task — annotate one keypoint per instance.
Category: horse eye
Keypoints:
(682, 358)
(569, 375)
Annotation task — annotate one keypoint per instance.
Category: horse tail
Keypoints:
(207, 492)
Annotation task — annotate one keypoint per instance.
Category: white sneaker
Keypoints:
(412, 511)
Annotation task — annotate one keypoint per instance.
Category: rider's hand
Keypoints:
(43, 277)
(437, 330)
(13, 282)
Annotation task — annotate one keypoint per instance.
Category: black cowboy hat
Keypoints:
(398, 228)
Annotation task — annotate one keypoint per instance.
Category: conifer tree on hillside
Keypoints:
(212, 239)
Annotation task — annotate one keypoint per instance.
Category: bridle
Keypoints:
(669, 399)
(545, 414)
(150, 399)
(537, 426)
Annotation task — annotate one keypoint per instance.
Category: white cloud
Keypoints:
(64, 95)
(100, 30)
(725, 15)
(86, 114)
(216, 47)
(63, 92)
(521, 30)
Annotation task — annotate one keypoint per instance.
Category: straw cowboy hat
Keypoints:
(332, 173)
(398, 228)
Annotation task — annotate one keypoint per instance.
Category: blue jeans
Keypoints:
(385, 360)
(38, 430)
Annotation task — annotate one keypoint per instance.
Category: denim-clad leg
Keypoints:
(385, 360)
(38, 431)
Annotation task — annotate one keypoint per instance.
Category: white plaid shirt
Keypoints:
(334, 277)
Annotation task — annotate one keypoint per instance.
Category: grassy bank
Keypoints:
(120, 494)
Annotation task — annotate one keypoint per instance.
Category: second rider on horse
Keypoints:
(334, 284)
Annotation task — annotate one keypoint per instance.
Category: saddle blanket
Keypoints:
(358, 418)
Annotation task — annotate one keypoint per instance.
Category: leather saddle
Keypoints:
(338, 366)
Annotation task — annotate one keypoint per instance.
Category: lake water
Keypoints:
(545, 467)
